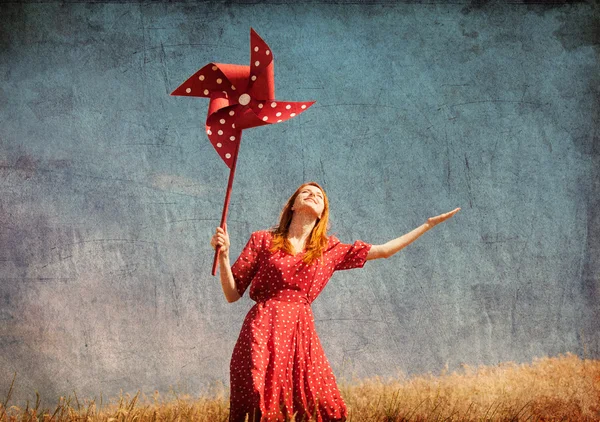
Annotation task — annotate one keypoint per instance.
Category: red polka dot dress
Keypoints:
(278, 363)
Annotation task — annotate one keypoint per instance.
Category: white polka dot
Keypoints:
(227, 155)
(232, 88)
(244, 99)
(255, 48)
(206, 92)
(233, 125)
(267, 52)
(266, 118)
(292, 115)
(231, 113)
(219, 81)
(278, 114)
(279, 121)
(273, 104)
(222, 121)
(219, 145)
(209, 132)
(260, 106)
(303, 106)
(220, 132)
(214, 68)
(288, 107)
(232, 138)
(188, 90)
(256, 63)
(253, 77)
(201, 77)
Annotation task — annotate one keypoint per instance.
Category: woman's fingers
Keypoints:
(450, 213)
(220, 238)
(222, 234)
(442, 217)
(454, 211)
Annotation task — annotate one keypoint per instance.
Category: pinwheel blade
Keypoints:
(208, 80)
(223, 133)
(262, 77)
(279, 111)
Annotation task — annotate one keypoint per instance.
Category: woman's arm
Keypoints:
(221, 238)
(390, 248)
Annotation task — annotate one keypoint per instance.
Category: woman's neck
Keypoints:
(300, 228)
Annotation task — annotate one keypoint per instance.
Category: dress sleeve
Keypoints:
(348, 256)
(245, 267)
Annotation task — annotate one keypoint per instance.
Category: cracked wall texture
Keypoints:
(110, 191)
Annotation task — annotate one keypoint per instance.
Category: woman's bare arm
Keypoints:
(221, 239)
(390, 248)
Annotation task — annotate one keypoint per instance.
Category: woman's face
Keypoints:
(310, 199)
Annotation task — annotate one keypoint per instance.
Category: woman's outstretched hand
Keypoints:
(432, 221)
(221, 239)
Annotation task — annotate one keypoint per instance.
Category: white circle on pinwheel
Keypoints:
(265, 118)
(273, 104)
(232, 138)
(201, 77)
(220, 132)
(244, 99)
(278, 114)
(231, 113)
(222, 121)
(188, 90)
(228, 155)
(219, 145)
(288, 107)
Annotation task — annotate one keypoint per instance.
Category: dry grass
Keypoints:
(565, 388)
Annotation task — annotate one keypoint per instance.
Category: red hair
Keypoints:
(317, 239)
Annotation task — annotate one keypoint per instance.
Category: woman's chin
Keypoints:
(309, 211)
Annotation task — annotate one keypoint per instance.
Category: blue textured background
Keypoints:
(110, 191)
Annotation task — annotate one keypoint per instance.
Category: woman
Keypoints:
(278, 367)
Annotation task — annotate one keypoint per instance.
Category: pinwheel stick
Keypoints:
(226, 204)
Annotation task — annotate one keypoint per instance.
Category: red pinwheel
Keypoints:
(241, 97)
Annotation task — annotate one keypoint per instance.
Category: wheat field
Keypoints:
(563, 388)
